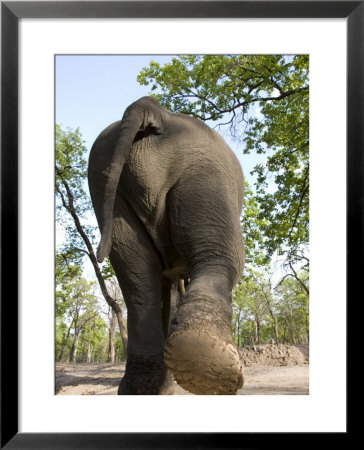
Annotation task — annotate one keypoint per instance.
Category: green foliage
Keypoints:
(67, 271)
(71, 195)
(249, 309)
(78, 311)
(75, 299)
(94, 339)
(61, 335)
(119, 348)
(252, 223)
(243, 301)
(107, 270)
(67, 266)
(294, 308)
(265, 101)
(71, 166)
(255, 300)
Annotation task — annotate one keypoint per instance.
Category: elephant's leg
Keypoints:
(139, 272)
(204, 221)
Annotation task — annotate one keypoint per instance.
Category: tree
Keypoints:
(111, 350)
(249, 310)
(115, 292)
(81, 332)
(68, 271)
(93, 338)
(83, 309)
(71, 175)
(263, 313)
(294, 309)
(265, 290)
(62, 334)
(251, 225)
(76, 305)
(264, 100)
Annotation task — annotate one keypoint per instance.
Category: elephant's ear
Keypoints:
(143, 113)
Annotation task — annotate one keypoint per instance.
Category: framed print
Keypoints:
(32, 33)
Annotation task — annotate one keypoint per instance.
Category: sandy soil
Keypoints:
(287, 378)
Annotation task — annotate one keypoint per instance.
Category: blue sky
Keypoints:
(92, 91)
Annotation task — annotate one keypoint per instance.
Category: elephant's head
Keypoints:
(145, 113)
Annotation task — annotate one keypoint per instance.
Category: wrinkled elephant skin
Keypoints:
(167, 193)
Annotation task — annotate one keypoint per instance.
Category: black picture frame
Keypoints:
(11, 12)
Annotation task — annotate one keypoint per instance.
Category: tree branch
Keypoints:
(81, 250)
(298, 279)
(91, 254)
(244, 103)
(303, 192)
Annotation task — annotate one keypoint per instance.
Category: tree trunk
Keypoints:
(73, 353)
(81, 356)
(88, 359)
(284, 335)
(275, 323)
(111, 352)
(238, 331)
(123, 331)
(270, 309)
(299, 279)
(257, 330)
(64, 343)
(253, 341)
(293, 338)
(276, 330)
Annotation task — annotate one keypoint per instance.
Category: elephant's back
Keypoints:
(232, 166)
(203, 150)
(195, 134)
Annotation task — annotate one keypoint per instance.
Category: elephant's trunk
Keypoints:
(130, 124)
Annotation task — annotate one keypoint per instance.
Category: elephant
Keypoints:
(167, 192)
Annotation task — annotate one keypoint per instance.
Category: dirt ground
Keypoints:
(269, 370)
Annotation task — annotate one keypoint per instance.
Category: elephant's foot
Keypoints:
(146, 375)
(200, 351)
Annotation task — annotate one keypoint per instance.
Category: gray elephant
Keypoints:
(168, 193)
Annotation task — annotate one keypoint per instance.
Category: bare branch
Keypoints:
(298, 279)
(303, 192)
(81, 250)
